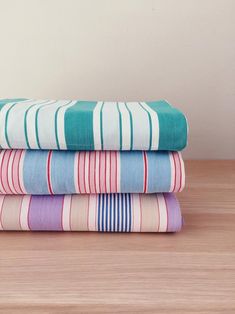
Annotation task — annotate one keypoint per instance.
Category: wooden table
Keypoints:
(189, 272)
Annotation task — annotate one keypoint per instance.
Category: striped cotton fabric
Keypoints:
(68, 172)
(91, 125)
(101, 212)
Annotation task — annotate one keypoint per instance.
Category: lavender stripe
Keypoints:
(174, 213)
(45, 213)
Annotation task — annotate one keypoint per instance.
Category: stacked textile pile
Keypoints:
(90, 166)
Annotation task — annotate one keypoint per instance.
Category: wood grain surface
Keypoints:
(189, 272)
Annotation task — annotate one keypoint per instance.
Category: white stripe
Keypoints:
(30, 122)
(155, 126)
(182, 172)
(1, 174)
(141, 130)
(107, 175)
(86, 161)
(126, 127)
(21, 172)
(162, 213)
(172, 171)
(92, 212)
(118, 172)
(61, 124)
(97, 156)
(46, 116)
(9, 172)
(1, 204)
(96, 125)
(66, 212)
(111, 129)
(15, 125)
(76, 172)
(24, 212)
(136, 212)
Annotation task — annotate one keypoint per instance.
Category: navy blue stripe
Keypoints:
(126, 212)
(130, 218)
(122, 211)
(103, 212)
(114, 212)
(106, 211)
(118, 207)
(98, 212)
(110, 213)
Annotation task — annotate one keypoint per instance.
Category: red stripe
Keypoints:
(110, 166)
(145, 172)
(79, 189)
(4, 190)
(18, 171)
(116, 172)
(12, 172)
(105, 176)
(180, 171)
(84, 172)
(48, 172)
(7, 172)
(89, 172)
(173, 155)
(99, 172)
(95, 174)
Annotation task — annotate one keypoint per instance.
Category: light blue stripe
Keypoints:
(34, 172)
(132, 170)
(159, 178)
(63, 180)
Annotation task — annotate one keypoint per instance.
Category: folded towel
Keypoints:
(100, 212)
(69, 172)
(84, 125)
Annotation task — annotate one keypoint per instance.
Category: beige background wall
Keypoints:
(180, 50)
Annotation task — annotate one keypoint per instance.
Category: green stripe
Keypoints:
(101, 128)
(150, 127)
(78, 126)
(131, 125)
(6, 122)
(36, 122)
(56, 124)
(120, 126)
(25, 122)
(172, 126)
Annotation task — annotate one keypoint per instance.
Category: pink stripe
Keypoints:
(102, 173)
(145, 172)
(82, 172)
(92, 172)
(158, 213)
(4, 174)
(113, 173)
(49, 172)
(177, 171)
(78, 174)
(116, 171)
(173, 155)
(16, 171)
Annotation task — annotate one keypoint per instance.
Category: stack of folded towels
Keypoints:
(90, 166)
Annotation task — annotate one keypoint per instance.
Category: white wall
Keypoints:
(180, 50)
